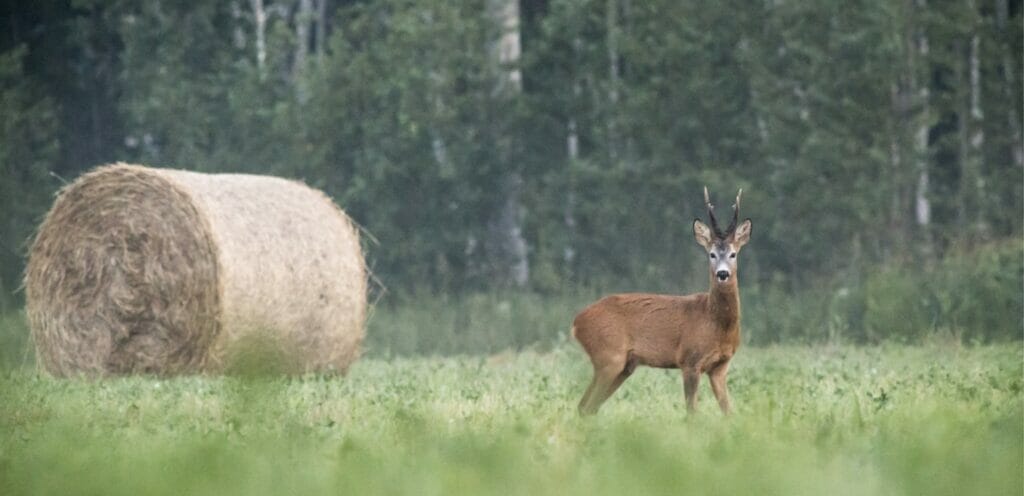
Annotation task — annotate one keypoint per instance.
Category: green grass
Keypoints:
(472, 324)
(937, 419)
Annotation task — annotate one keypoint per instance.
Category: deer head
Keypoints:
(722, 246)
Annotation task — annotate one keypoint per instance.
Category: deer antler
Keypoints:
(735, 214)
(714, 222)
(711, 214)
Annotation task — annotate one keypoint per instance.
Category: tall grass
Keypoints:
(971, 297)
(473, 323)
(937, 420)
(15, 347)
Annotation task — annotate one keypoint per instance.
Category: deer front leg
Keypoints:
(717, 376)
(691, 380)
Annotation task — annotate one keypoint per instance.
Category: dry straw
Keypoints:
(141, 270)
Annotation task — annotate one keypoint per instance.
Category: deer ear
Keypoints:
(742, 233)
(702, 233)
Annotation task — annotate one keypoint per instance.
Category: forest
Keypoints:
(508, 162)
(545, 148)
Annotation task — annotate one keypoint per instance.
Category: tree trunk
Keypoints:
(896, 233)
(614, 76)
(437, 143)
(1010, 89)
(919, 120)
(572, 153)
(572, 150)
(569, 214)
(260, 17)
(238, 37)
(303, 23)
(507, 246)
(509, 48)
(321, 30)
(970, 135)
(973, 182)
(922, 204)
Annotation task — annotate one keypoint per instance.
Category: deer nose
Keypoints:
(722, 275)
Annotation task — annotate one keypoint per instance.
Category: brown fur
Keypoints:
(698, 333)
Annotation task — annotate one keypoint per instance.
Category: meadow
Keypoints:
(935, 419)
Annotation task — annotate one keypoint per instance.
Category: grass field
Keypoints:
(937, 419)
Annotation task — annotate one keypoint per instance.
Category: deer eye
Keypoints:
(732, 255)
(713, 255)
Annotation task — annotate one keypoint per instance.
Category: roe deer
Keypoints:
(697, 333)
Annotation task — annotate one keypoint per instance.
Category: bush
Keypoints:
(773, 315)
(971, 295)
(975, 295)
(981, 293)
(475, 323)
(899, 305)
(15, 347)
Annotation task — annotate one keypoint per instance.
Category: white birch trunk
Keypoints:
(239, 33)
(437, 143)
(972, 135)
(509, 47)
(614, 76)
(896, 161)
(260, 17)
(303, 23)
(922, 203)
(321, 30)
(572, 150)
(508, 246)
(1010, 88)
(977, 132)
(973, 182)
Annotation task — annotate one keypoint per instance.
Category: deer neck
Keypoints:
(724, 304)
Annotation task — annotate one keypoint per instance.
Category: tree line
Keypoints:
(545, 144)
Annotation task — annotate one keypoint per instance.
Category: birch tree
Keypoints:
(259, 15)
(919, 86)
(970, 117)
(303, 25)
(1011, 85)
(507, 246)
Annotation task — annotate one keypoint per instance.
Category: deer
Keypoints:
(697, 333)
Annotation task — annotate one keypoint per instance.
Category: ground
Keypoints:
(893, 420)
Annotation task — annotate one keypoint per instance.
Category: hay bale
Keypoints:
(141, 270)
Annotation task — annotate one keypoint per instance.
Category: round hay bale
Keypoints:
(142, 270)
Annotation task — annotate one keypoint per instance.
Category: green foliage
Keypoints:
(15, 347)
(472, 324)
(774, 316)
(974, 296)
(898, 306)
(971, 296)
(979, 292)
(814, 108)
(837, 420)
(27, 147)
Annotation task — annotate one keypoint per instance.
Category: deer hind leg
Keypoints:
(719, 387)
(607, 378)
(585, 401)
(691, 380)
